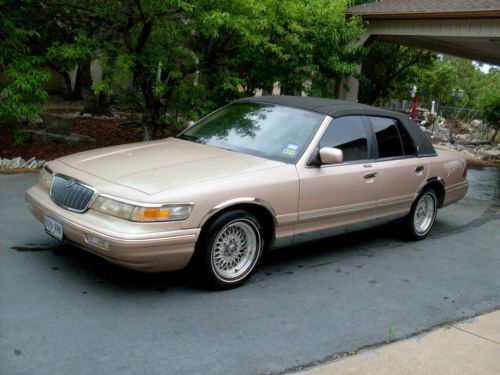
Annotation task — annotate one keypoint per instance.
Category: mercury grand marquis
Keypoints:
(257, 174)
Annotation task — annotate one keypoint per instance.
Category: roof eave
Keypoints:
(425, 15)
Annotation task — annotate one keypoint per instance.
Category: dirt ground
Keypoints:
(105, 130)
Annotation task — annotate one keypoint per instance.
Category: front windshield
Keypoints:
(270, 131)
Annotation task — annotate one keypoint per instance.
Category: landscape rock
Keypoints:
(33, 164)
(476, 124)
(59, 124)
(27, 163)
(19, 163)
(489, 154)
(487, 147)
(43, 137)
(16, 162)
(33, 120)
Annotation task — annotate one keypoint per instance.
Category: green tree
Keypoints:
(489, 101)
(447, 73)
(391, 69)
(188, 57)
(184, 57)
(22, 95)
(490, 111)
(438, 80)
(300, 45)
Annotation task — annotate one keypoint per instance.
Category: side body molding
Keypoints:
(428, 181)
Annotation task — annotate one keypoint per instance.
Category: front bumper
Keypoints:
(147, 247)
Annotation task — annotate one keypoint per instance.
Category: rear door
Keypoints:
(400, 171)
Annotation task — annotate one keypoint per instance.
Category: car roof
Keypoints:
(338, 108)
(331, 107)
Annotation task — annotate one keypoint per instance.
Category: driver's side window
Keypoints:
(348, 134)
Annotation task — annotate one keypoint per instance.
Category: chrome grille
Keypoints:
(70, 194)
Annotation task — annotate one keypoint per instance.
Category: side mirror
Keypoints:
(331, 155)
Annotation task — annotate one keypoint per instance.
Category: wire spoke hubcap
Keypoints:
(235, 249)
(424, 213)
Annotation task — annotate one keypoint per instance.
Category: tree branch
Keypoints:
(141, 12)
(144, 36)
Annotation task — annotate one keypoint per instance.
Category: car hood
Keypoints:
(156, 166)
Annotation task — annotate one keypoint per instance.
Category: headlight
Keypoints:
(132, 212)
(45, 178)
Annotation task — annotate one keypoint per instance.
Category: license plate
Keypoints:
(54, 227)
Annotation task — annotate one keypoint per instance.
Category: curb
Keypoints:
(20, 170)
(335, 357)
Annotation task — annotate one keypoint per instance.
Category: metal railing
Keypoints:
(465, 115)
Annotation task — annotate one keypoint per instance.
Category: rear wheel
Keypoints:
(421, 218)
(229, 249)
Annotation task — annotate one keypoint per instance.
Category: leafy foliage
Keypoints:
(22, 95)
(183, 58)
(490, 111)
(448, 73)
(390, 69)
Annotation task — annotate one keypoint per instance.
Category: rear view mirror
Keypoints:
(331, 155)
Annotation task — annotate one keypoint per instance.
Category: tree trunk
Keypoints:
(94, 104)
(77, 91)
(148, 131)
(68, 91)
(86, 85)
(101, 102)
(151, 118)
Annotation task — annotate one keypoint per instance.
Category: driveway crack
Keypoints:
(475, 334)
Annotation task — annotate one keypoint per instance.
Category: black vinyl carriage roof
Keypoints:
(331, 107)
(339, 108)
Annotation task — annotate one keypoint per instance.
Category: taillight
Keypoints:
(464, 175)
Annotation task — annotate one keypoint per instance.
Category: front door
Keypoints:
(337, 195)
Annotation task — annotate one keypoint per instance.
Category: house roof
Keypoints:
(426, 9)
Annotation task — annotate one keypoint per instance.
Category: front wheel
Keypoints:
(421, 218)
(229, 249)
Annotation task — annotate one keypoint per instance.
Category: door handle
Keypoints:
(370, 175)
(420, 168)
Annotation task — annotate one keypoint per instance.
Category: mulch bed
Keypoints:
(106, 132)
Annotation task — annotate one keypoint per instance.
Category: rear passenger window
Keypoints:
(389, 142)
(348, 134)
(408, 146)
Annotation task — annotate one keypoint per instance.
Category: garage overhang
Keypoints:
(469, 29)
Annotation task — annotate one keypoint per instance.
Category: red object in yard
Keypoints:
(414, 107)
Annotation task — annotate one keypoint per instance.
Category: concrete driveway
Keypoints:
(65, 311)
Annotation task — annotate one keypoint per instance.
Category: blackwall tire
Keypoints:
(229, 249)
(422, 216)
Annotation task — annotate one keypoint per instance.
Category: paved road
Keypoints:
(63, 311)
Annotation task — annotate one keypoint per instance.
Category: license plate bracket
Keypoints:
(54, 227)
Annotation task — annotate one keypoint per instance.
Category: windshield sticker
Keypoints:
(289, 152)
(292, 147)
